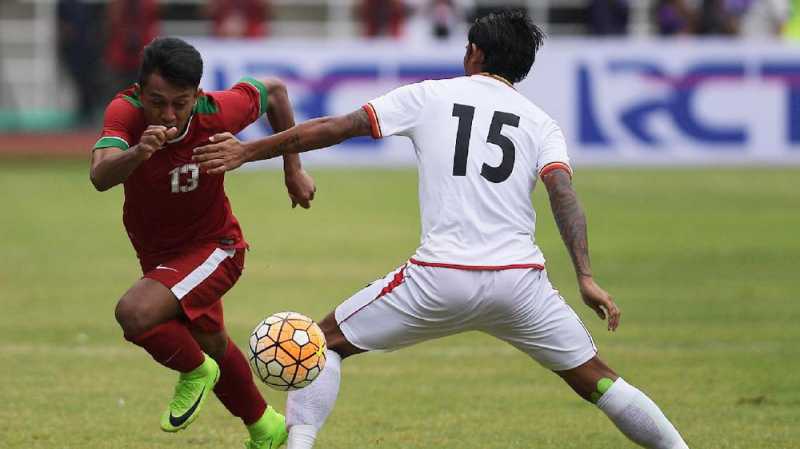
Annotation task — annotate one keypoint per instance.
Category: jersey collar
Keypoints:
(498, 78)
(185, 131)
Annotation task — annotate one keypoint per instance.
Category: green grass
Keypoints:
(703, 263)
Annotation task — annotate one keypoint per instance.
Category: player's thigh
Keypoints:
(394, 312)
(145, 305)
(198, 279)
(533, 317)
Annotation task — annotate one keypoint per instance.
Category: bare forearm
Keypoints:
(313, 134)
(570, 218)
(226, 153)
(310, 135)
(112, 169)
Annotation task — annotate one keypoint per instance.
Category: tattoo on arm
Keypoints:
(316, 133)
(290, 145)
(358, 123)
(570, 219)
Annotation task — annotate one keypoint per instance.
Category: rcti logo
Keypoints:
(675, 101)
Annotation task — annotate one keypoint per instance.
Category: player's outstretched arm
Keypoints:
(226, 153)
(299, 184)
(112, 166)
(571, 221)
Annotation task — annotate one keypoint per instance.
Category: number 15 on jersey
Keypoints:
(465, 116)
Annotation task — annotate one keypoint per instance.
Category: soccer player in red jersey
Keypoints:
(180, 223)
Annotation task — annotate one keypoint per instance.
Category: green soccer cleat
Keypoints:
(269, 432)
(190, 393)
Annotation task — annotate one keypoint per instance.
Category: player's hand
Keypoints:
(301, 188)
(224, 153)
(153, 139)
(600, 301)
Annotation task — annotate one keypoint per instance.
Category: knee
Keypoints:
(214, 344)
(589, 380)
(340, 349)
(335, 339)
(132, 317)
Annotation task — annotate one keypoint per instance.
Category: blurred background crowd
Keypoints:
(96, 44)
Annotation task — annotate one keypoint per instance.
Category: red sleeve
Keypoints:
(240, 105)
(555, 166)
(122, 125)
(374, 124)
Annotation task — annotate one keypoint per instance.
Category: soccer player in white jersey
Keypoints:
(480, 146)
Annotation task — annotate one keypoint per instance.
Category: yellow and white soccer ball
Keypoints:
(287, 351)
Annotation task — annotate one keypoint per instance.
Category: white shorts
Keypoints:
(416, 303)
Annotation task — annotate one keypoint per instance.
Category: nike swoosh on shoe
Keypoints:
(177, 421)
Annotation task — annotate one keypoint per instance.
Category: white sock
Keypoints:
(639, 418)
(301, 436)
(307, 409)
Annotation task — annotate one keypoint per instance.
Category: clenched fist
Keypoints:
(153, 139)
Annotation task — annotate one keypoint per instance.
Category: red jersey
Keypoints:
(169, 205)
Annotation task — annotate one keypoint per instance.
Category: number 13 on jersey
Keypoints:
(189, 183)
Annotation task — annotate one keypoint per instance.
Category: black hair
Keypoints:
(509, 40)
(175, 60)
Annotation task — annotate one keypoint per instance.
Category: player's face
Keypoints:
(166, 104)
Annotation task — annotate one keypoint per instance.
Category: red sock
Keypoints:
(172, 345)
(236, 389)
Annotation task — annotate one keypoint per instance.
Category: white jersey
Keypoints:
(480, 146)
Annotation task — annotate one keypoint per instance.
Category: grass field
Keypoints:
(704, 264)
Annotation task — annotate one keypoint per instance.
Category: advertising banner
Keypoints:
(620, 102)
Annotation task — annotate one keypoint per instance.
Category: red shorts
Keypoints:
(198, 278)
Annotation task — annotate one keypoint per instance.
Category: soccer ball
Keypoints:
(287, 351)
